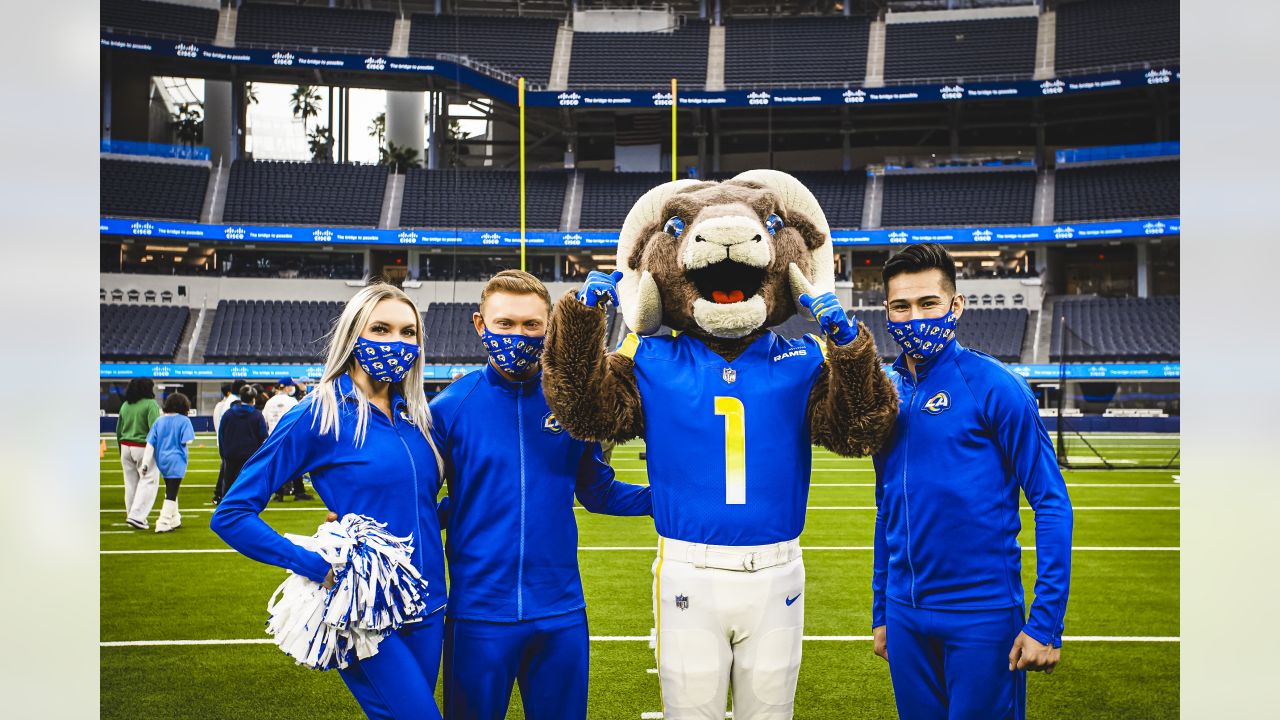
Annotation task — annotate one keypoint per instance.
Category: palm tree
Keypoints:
(378, 128)
(320, 141)
(398, 158)
(188, 123)
(305, 102)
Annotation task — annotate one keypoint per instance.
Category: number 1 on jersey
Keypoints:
(735, 449)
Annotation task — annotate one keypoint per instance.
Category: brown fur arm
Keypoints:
(853, 405)
(593, 393)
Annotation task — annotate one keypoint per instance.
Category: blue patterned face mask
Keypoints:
(385, 361)
(512, 354)
(924, 338)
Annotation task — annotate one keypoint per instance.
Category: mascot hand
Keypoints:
(835, 322)
(600, 288)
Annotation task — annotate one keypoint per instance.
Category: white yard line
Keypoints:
(651, 548)
(637, 638)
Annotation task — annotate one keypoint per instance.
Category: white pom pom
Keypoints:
(376, 591)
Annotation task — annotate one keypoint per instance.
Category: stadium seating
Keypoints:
(1004, 197)
(158, 18)
(648, 59)
(960, 49)
(1103, 33)
(1132, 329)
(138, 188)
(140, 333)
(449, 335)
(839, 193)
(786, 50)
(270, 330)
(1121, 190)
(481, 199)
(516, 45)
(607, 196)
(299, 192)
(314, 28)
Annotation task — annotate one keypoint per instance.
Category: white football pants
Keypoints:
(728, 616)
(139, 490)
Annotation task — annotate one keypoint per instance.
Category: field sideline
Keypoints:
(182, 619)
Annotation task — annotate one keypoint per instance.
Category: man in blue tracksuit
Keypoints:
(516, 610)
(947, 609)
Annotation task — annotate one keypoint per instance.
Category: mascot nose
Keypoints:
(730, 241)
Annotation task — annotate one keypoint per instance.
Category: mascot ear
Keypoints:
(794, 196)
(641, 300)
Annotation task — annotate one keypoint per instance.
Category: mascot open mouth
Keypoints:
(727, 281)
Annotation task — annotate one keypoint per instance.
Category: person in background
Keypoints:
(282, 400)
(167, 452)
(230, 393)
(242, 432)
(137, 415)
(228, 397)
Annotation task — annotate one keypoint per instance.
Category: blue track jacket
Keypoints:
(968, 438)
(391, 478)
(512, 473)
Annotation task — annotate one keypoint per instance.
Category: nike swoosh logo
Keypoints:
(793, 599)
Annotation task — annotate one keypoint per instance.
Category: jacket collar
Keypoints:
(513, 387)
(345, 389)
(923, 369)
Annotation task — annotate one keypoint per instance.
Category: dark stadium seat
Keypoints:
(1113, 191)
(839, 193)
(449, 335)
(1100, 34)
(1132, 329)
(608, 196)
(481, 199)
(144, 189)
(520, 46)
(785, 50)
(137, 17)
(314, 28)
(140, 333)
(646, 59)
(301, 192)
(1004, 197)
(960, 49)
(270, 330)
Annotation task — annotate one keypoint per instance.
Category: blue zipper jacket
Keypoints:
(512, 473)
(392, 478)
(242, 431)
(967, 440)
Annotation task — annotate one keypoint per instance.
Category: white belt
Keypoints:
(742, 558)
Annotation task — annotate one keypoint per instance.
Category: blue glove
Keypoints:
(832, 318)
(600, 288)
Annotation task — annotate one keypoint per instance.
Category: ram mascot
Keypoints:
(729, 410)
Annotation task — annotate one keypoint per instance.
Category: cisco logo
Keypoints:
(854, 96)
(897, 237)
(233, 233)
(1153, 228)
(1159, 77)
(572, 239)
(1052, 87)
(282, 58)
(408, 238)
(140, 228)
(662, 99)
(322, 235)
(186, 51)
(982, 236)
(952, 92)
(490, 239)
(1064, 233)
(569, 99)
(373, 63)
(757, 98)
(160, 371)
(239, 372)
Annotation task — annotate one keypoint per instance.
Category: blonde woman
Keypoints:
(363, 434)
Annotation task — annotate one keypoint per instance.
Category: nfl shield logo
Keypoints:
(730, 375)
(682, 602)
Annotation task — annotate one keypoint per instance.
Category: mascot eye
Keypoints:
(674, 227)
(773, 224)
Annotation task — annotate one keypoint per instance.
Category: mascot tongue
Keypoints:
(724, 298)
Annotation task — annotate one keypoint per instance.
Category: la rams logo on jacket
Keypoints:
(938, 403)
(551, 424)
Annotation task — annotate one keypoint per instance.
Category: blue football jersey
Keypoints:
(728, 442)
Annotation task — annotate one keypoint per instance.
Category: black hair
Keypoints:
(237, 384)
(177, 403)
(918, 258)
(227, 389)
(139, 388)
(248, 395)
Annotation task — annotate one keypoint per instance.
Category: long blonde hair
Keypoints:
(339, 360)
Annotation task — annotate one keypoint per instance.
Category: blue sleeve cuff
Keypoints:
(316, 567)
(1042, 637)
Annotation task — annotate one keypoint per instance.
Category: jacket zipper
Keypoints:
(417, 522)
(906, 453)
(520, 567)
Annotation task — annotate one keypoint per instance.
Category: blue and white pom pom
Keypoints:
(376, 591)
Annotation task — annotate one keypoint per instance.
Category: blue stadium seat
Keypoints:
(481, 199)
(148, 189)
(778, 51)
(314, 28)
(140, 333)
(138, 17)
(303, 192)
(1100, 34)
(960, 49)
(1128, 329)
(520, 46)
(1119, 190)
(641, 59)
(1002, 197)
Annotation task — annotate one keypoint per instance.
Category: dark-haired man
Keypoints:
(947, 610)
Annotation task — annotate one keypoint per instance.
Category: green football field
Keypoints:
(182, 616)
